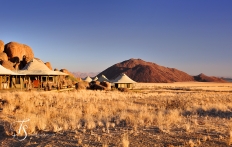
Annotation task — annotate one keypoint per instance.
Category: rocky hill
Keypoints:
(203, 78)
(142, 71)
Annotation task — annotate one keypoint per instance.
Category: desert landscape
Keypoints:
(115, 73)
(142, 104)
(151, 114)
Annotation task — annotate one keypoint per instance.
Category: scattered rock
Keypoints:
(48, 64)
(82, 85)
(67, 72)
(95, 82)
(9, 65)
(107, 85)
(3, 56)
(97, 87)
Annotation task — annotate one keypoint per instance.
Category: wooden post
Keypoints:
(8, 82)
(0, 82)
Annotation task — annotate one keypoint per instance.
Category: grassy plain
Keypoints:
(155, 114)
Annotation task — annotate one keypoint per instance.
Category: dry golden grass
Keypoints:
(200, 115)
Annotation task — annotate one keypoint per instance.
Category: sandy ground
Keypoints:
(186, 85)
(200, 135)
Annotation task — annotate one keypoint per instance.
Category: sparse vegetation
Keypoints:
(112, 118)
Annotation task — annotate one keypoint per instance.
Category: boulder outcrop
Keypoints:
(67, 72)
(3, 56)
(8, 65)
(48, 64)
(1, 46)
(16, 52)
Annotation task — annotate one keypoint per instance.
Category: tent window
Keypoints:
(44, 79)
(4, 79)
(50, 79)
(17, 80)
(128, 85)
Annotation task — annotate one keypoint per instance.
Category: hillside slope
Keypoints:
(203, 78)
(142, 71)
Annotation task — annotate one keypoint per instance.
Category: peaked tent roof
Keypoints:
(4, 71)
(87, 79)
(37, 67)
(95, 79)
(123, 78)
(103, 78)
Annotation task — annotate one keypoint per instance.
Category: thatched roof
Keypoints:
(123, 78)
(37, 67)
(4, 71)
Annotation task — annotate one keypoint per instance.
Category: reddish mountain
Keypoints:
(142, 71)
(203, 78)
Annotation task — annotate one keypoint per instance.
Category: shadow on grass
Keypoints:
(211, 112)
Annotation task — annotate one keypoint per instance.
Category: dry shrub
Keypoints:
(95, 82)
(124, 89)
(82, 85)
(97, 87)
(86, 110)
(106, 84)
(125, 140)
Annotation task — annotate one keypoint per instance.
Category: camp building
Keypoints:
(35, 74)
(5, 75)
(123, 81)
(87, 79)
(103, 78)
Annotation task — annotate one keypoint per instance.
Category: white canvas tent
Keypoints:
(95, 79)
(123, 81)
(103, 78)
(87, 79)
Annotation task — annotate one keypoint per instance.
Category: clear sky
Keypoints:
(194, 36)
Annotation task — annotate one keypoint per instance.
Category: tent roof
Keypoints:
(4, 71)
(40, 72)
(36, 64)
(103, 78)
(87, 79)
(95, 79)
(37, 67)
(123, 78)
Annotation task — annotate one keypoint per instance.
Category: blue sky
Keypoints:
(194, 36)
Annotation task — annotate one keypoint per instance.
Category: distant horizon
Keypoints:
(193, 36)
